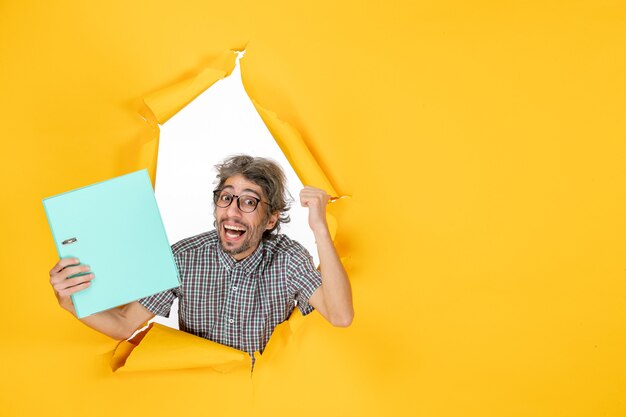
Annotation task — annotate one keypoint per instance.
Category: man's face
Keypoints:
(240, 233)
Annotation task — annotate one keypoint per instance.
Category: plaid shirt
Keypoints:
(238, 304)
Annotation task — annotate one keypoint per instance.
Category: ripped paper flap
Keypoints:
(160, 348)
(295, 149)
(168, 101)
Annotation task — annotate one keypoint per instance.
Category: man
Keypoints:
(239, 281)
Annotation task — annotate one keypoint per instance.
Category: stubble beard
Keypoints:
(252, 237)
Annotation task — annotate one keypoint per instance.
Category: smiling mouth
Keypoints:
(233, 232)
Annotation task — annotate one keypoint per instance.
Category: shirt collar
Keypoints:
(249, 263)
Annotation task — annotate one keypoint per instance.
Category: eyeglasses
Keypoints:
(245, 203)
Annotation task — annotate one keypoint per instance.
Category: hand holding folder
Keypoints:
(114, 227)
(63, 283)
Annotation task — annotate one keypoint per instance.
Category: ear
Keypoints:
(271, 222)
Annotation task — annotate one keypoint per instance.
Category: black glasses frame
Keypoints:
(216, 198)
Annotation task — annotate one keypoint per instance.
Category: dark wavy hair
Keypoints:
(266, 174)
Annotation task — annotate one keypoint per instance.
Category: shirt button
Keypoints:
(234, 288)
(231, 321)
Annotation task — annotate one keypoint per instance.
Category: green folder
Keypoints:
(115, 227)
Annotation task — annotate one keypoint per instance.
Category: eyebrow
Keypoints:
(249, 190)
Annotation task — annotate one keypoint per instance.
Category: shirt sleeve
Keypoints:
(160, 303)
(304, 279)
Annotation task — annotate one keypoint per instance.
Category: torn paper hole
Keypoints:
(202, 129)
(221, 121)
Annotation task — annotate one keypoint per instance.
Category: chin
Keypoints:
(233, 248)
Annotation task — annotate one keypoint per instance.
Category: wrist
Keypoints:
(321, 231)
(69, 307)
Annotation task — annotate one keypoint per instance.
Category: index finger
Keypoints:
(63, 262)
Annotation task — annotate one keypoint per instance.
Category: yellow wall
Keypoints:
(484, 145)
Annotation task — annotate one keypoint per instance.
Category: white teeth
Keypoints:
(240, 229)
